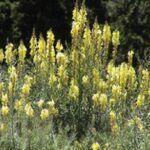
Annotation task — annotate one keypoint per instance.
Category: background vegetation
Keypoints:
(18, 18)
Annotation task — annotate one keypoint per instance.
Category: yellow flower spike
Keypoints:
(74, 57)
(1, 55)
(29, 110)
(130, 57)
(74, 91)
(52, 109)
(44, 114)
(41, 46)
(50, 39)
(10, 88)
(33, 45)
(25, 90)
(132, 79)
(22, 52)
(140, 100)
(36, 59)
(40, 103)
(51, 103)
(103, 101)
(112, 115)
(44, 66)
(116, 39)
(62, 74)
(1, 88)
(145, 83)
(75, 29)
(61, 58)
(9, 54)
(106, 34)
(52, 79)
(4, 110)
(85, 80)
(4, 99)
(75, 13)
(116, 91)
(13, 75)
(95, 99)
(59, 46)
(95, 77)
(87, 37)
(102, 86)
(18, 105)
(3, 127)
(95, 146)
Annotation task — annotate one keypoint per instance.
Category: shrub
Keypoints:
(77, 89)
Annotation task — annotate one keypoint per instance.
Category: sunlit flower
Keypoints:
(95, 146)
(5, 110)
(44, 114)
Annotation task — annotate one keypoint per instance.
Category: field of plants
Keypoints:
(76, 96)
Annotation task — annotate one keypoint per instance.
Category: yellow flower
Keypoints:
(3, 127)
(44, 114)
(13, 74)
(1, 88)
(9, 53)
(74, 91)
(25, 90)
(112, 115)
(59, 46)
(52, 79)
(41, 46)
(51, 103)
(22, 52)
(1, 55)
(50, 39)
(33, 45)
(116, 91)
(130, 57)
(106, 33)
(29, 110)
(18, 105)
(40, 103)
(95, 146)
(103, 100)
(95, 99)
(4, 110)
(61, 58)
(4, 99)
(62, 73)
(140, 100)
(10, 88)
(85, 80)
(115, 38)
(102, 86)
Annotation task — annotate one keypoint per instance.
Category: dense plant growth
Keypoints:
(76, 97)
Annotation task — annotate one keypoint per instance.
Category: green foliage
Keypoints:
(132, 19)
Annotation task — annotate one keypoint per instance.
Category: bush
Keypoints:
(75, 97)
